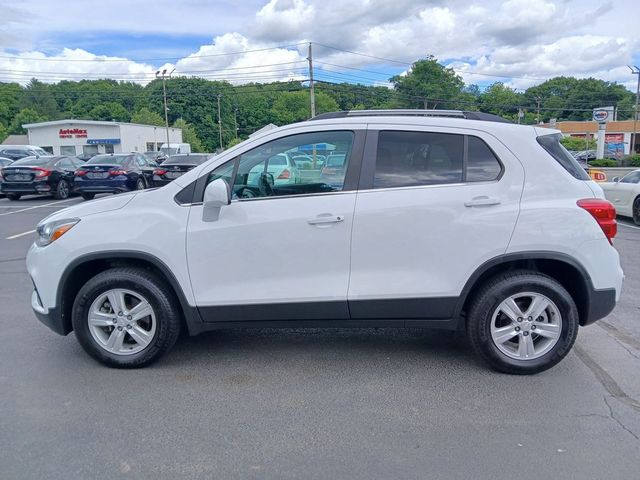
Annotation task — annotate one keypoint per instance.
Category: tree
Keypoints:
(578, 143)
(147, 117)
(109, 111)
(500, 100)
(3, 132)
(431, 84)
(37, 96)
(189, 135)
(26, 115)
(292, 107)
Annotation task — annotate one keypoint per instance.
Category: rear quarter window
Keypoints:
(551, 143)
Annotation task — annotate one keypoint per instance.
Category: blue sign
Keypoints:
(103, 141)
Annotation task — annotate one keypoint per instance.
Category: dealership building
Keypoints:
(76, 137)
(619, 136)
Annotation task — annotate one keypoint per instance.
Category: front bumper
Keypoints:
(51, 317)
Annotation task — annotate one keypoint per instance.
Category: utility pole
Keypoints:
(220, 122)
(312, 92)
(164, 77)
(634, 139)
(538, 99)
(235, 121)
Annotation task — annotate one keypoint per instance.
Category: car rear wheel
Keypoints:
(62, 190)
(636, 211)
(522, 322)
(88, 196)
(13, 196)
(140, 185)
(126, 317)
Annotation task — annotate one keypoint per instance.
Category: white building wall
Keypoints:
(134, 138)
(49, 136)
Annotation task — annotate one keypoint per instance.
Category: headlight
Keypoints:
(49, 232)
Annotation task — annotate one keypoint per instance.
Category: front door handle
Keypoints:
(482, 201)
(325, 218)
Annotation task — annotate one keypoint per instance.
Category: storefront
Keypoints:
(618, 138)
(89, 137)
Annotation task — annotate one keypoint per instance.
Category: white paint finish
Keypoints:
(265, 251)
(424, 241)
(622, 195)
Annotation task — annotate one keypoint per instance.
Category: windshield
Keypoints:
(108, 159)
(33, 161)
(187, 159)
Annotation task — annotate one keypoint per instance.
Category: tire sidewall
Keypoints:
(536, 284)
(163, 317)
(66, 190)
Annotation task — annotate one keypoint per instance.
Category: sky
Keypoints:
(518, 42)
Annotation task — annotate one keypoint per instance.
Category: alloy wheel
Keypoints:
(526, 326)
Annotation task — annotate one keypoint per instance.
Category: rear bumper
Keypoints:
(33, 187)
(601, 304)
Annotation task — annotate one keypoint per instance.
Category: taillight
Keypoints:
(115, 173)
(285, 175)
(159, 171)
(80, 173)
(604, 213)
(42, 172)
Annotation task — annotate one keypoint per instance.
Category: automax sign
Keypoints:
(73, 133)
(603, 115)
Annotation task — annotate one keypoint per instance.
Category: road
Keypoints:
(310, 403)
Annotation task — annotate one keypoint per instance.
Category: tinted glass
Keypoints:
(108, 159)
(66, 164)
(417, 158)
(551, 143)
(187, 160)
(33, 161)
(482, 164)
(633, 177)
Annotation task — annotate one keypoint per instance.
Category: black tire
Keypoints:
(159, 296)
(493, 293)
(13, 196)
(62, 190)
(88, 196)
(140, 185)
(636, 211)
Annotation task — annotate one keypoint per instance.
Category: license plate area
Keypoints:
(18, 178)
(173, 174)
(97, 175)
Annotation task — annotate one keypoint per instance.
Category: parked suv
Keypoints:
(443, 219)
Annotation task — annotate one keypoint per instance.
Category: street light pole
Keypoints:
(634, 139)
(312, 92)
(164, 77)
(235, 121)
(220, 122)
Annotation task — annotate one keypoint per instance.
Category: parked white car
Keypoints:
(442, 219)
(624, 194)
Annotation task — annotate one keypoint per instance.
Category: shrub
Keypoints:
(607, 162)
(634, 160)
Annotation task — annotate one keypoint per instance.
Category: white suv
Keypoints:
(444, 219)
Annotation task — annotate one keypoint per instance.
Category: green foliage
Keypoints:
(605, 162)
(293, 107)
(147, 117)
(500, 100)
(633, 160)
(110, 111)
(233, 142)
(37, 96)
(3, 132)
(577, 143)
(189, 135)
(435, 85)
(26, 115)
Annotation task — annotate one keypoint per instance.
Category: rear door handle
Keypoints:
(482, 201)
(325, 218)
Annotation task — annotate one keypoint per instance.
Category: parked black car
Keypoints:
(39, 175)
(114, 173)
(3, 163)
(177, 165)
(157, 157)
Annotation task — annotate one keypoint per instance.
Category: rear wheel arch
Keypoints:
(83, 268)
(563, 268)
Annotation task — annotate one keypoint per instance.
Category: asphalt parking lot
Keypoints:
(290, 404)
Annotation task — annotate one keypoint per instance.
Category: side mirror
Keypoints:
(217, 194)
(615, 179)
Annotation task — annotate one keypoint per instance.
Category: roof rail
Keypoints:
(488, 117)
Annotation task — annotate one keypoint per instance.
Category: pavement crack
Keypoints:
(615, 419)
(606, 380)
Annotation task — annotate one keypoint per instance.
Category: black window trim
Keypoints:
(351, 179)
(371, 151)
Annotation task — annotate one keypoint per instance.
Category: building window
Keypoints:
(108, 148)
(67, 150)
(49, 150)
(151, 147)
(159, 144)
(90, 149)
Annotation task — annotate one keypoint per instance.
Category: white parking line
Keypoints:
(20, 235)
(37, 206)
(629, 226)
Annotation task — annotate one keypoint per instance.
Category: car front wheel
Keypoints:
(62, 190)
(522, 322)
(126, 317)
(636, 211)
